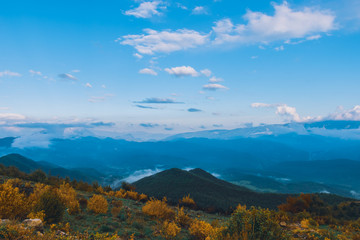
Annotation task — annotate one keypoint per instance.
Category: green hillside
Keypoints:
(208, 192)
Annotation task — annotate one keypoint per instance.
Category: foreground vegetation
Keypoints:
(77, 210)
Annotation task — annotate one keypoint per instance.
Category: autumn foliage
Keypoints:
(297, 204)
(13, 204)
(158, 208)
(187, 201)
(98, 204)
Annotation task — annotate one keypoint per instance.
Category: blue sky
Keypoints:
(173, 66)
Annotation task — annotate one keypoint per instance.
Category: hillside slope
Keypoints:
(207, 191)
(27, 165)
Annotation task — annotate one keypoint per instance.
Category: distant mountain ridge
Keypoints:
(209, 192)
(27, 165)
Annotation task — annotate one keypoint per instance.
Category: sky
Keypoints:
(175, 66)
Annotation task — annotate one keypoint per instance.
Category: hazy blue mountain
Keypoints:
(27, 165)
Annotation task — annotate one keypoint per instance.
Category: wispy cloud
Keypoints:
(158, 100)
(199, 10)
(164, 41)
(148, 71)
(194, 110)
(8, 73)
(206, 72)
(182, 71)
(148, 125)
(285, 24)
(35, 73)
(144, 107)
(146, 9)
(88, 85)
(215, 80)
(214, 87)
(67, 76)
(11, 116)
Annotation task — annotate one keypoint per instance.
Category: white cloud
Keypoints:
(182, 71)
(350, 114)
(75, 71)
(148, 71)
(206, 72)
(283, 110)
(199, 10)
(88, 85)
(138, 56)
(137, 175)
(215, 80)
(145, 10)
(261, 105)
(8, 73)
(4, 108)
(314, 37)
(33, 73)
(286, 23)
(103, 86)
(164, 41)
(11, 116)
(214, 86)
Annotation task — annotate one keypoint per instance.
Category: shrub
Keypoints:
(68, 196)
(143, 197)
(98, 204)
(187, 201)
(38, 176)
(296, 204)
(51, 203)
(170, 230)
(132, 195)
(200, 230)
(182, 218)
(13, 204)
(158, 209)
(255, 223)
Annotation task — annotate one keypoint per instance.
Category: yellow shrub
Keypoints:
(98, 204)
(182, 218)
(143, 197)
(68, 196)
(187, 201)
(170, 230)
(13, 204)
(38, 190)
(120, 194)
(201, 230)
(132, 195)
(39, 215)
(159, 209)
(305, 223)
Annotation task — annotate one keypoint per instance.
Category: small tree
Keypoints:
(98, 204)
(38, 176)
(51, 203)
(13, 204)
